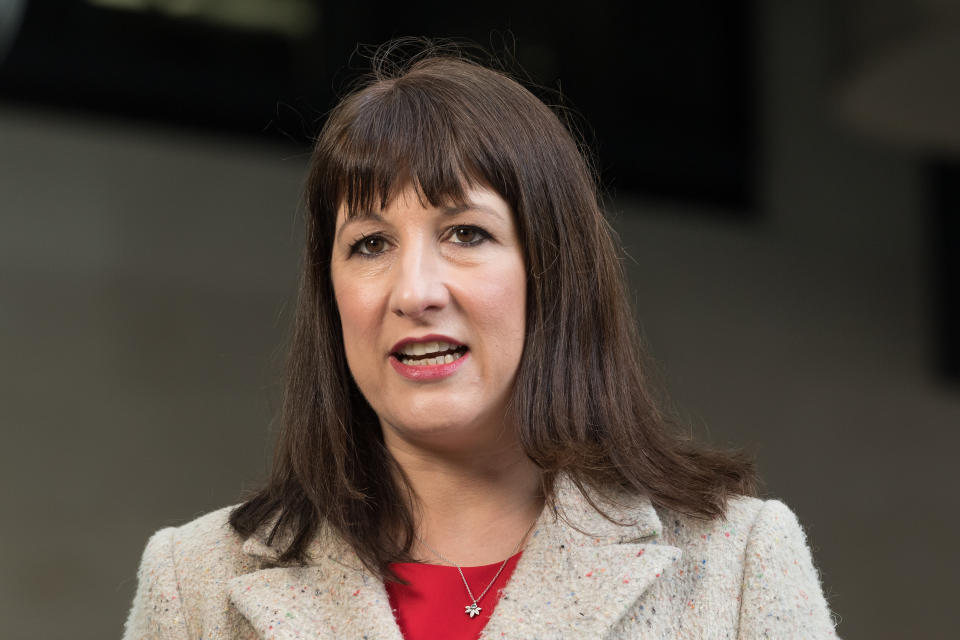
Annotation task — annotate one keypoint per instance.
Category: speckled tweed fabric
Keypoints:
(662, 576)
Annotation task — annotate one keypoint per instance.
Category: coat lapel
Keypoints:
(572, 585)
(334, 597)
(578, 576)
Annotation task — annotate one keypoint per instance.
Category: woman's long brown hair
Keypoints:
(442, 124)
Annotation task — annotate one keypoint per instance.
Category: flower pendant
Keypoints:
(472, 610)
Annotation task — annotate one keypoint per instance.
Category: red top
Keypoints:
(433, 605)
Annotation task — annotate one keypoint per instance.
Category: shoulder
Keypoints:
(750, 528)
(204, 548)
(746, 574)
(630, 516)
(745, 518)
(758, 556)
(183, 576)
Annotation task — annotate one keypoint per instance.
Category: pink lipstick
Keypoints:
(427, 371)
(429, 357)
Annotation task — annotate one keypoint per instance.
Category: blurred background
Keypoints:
(785, 177)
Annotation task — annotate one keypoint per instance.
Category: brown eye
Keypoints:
(370, 246)
(468, 236)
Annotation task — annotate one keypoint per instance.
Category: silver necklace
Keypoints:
(473, 609)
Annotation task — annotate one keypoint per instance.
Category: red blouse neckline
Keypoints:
(433, 603)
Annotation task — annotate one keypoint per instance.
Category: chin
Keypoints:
(429, 423)
(441, 429)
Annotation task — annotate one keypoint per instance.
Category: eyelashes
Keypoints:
(462, 235)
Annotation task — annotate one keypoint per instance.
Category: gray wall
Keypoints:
(146, 282)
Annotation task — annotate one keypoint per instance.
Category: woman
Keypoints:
(469, 447)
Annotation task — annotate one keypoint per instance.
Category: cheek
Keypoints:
(358, 308)
(501, 309)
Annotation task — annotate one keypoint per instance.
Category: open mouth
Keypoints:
(422, 354)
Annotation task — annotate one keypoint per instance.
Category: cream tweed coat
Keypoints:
(663, 576)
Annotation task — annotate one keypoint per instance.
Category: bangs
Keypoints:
(426, 133)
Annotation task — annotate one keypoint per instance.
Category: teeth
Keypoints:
(423, 362)
(422, 348)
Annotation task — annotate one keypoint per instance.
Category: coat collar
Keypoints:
(579, 574)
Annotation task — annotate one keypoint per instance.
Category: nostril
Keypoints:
(416, 304)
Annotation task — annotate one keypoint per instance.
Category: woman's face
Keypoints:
(432, 303)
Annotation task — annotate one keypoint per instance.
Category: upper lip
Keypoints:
(433, 337)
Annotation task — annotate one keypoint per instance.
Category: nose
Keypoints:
(419, 288)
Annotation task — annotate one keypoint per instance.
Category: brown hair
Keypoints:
(442, 124)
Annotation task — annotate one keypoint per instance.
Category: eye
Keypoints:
(369, 246)
(468, 235)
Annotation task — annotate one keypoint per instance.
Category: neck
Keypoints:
(472, 506)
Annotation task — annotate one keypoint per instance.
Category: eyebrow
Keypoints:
(446, 211)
